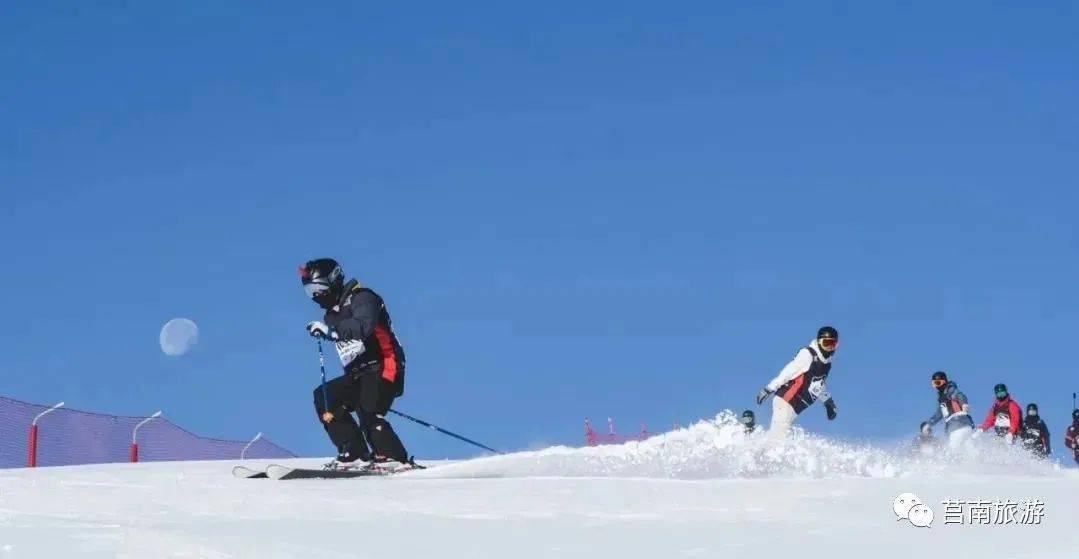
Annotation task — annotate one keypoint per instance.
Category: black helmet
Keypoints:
(1032, 407)
(1001, 391)
(323, 280)
(940, 380)
(827, 338)
(748, 418)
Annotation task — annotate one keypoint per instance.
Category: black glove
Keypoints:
(829, 408)
(763, 395)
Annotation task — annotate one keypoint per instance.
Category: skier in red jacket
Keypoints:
(1005, 416)
(1071, 436)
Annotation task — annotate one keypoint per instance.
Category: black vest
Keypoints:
(804, 389)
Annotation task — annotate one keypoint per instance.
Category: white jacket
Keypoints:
(799, 365)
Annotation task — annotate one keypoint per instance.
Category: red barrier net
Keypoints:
(592, 438)
(63, 437)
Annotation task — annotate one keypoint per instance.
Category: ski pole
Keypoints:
(443, 431)
(322, 366)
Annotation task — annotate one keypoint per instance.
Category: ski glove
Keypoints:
(320, 330)
(829, 408)
(763, 395)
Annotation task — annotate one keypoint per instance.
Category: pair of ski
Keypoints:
(279, 472)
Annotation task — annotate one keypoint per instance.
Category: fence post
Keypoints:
(243, 453)
(135, 434)
(32, 461)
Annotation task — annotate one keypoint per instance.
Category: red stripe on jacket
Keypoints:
(389, 355)
(795, 389)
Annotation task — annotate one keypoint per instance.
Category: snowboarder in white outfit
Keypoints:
(801, 383)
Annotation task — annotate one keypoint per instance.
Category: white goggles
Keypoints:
(314, 289)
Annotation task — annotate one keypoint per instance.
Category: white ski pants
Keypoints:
(782, 418)
(957, 440)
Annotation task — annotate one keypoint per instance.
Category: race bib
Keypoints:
(816, 387)
(1003, 420)
(348, 351)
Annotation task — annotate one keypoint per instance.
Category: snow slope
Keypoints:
(703, 491)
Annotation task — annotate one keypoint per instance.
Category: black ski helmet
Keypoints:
(1032, 407)
(940, 380)
(1001, 390)
(749, 419)
(323, 280)
(827, 333)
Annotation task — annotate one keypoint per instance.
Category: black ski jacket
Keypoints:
(361, 315)
(1035, 435)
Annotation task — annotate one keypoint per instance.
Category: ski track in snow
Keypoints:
(719, 449)
(703, 491)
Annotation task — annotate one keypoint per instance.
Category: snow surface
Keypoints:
(703, 491)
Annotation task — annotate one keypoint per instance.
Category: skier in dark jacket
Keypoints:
(953, 409)
(1035, 434)
(357, 322)
(1005, 416)
(1071, 436)
(749, 421)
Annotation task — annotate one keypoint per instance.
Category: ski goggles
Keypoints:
(1001, 393)
(313, 289)
(828, 344)
(746, 419)
(939, 383)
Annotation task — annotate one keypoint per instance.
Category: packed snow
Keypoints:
(708, 490)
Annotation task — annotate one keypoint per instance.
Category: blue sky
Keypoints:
(629, 209)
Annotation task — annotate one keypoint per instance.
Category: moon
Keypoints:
(178, 336)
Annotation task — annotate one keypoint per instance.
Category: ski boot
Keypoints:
(386, 465)
(349, 460)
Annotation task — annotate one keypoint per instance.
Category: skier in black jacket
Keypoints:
(749, 421)
(1034, 434)
(357, 322)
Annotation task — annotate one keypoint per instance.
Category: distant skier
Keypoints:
(1035, 434)
(1005, 416)
(357, 322)
(1071, 436)
(749, 421)
(953, 409)
(925, 443)
(801, 383)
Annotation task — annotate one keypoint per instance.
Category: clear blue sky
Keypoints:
(634, 209)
